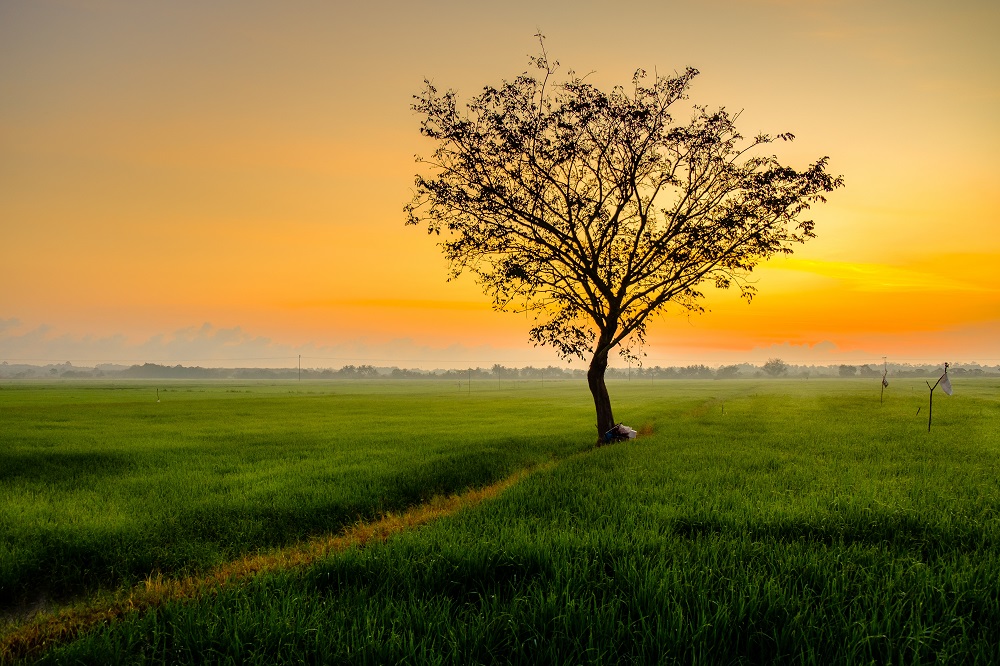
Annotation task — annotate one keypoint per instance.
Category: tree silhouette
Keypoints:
(727, 372)
(775, 367)
(596, 209)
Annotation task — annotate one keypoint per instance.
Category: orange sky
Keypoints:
(202, 182)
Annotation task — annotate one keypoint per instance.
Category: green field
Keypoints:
(758, 521)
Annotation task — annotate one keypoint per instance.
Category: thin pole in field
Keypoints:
(946, 387)
(300, 367)
(885, 382)
(470, 381)
(930, 406)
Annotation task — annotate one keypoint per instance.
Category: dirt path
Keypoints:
(49, 628)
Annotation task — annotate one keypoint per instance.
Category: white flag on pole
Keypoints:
(945, 384)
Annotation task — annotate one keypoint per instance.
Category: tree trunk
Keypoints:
(602, 401)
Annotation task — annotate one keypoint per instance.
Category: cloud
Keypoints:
(819, 353)
(823, 352)
(397, 303)
(209, 346)
(975, 342)
(947, 273)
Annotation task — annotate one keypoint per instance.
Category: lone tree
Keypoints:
(775, 367)
(595, 209)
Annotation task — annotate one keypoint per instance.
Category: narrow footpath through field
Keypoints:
(47, 628)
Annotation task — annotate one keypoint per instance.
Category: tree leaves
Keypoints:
(599, 207)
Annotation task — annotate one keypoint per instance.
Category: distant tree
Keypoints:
(727, 372)
(501, 371)
(668, 373)
(775, 367)
(595, 209)
(398, 373)
(77, 374)
(848, 370)
(869, 371)
(697, 371)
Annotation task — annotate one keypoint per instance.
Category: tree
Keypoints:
(697, 371)
(775, 367)
(869, 371)
(727, 372)
(596, 209)
(848, 370)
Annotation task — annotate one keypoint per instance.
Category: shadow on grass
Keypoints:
(64, 562)
(888, 531)
(55, 468)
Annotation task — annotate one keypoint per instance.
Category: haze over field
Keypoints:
(223, 184)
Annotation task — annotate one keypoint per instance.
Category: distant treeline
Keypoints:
(773, 368)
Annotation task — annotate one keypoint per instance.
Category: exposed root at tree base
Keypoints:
(48, 629)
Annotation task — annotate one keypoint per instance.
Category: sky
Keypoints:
(222, 183)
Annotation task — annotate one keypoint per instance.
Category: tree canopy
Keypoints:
(775, 367)
(594, 209)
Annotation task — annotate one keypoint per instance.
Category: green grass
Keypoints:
(761, 522)
(101, 485)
